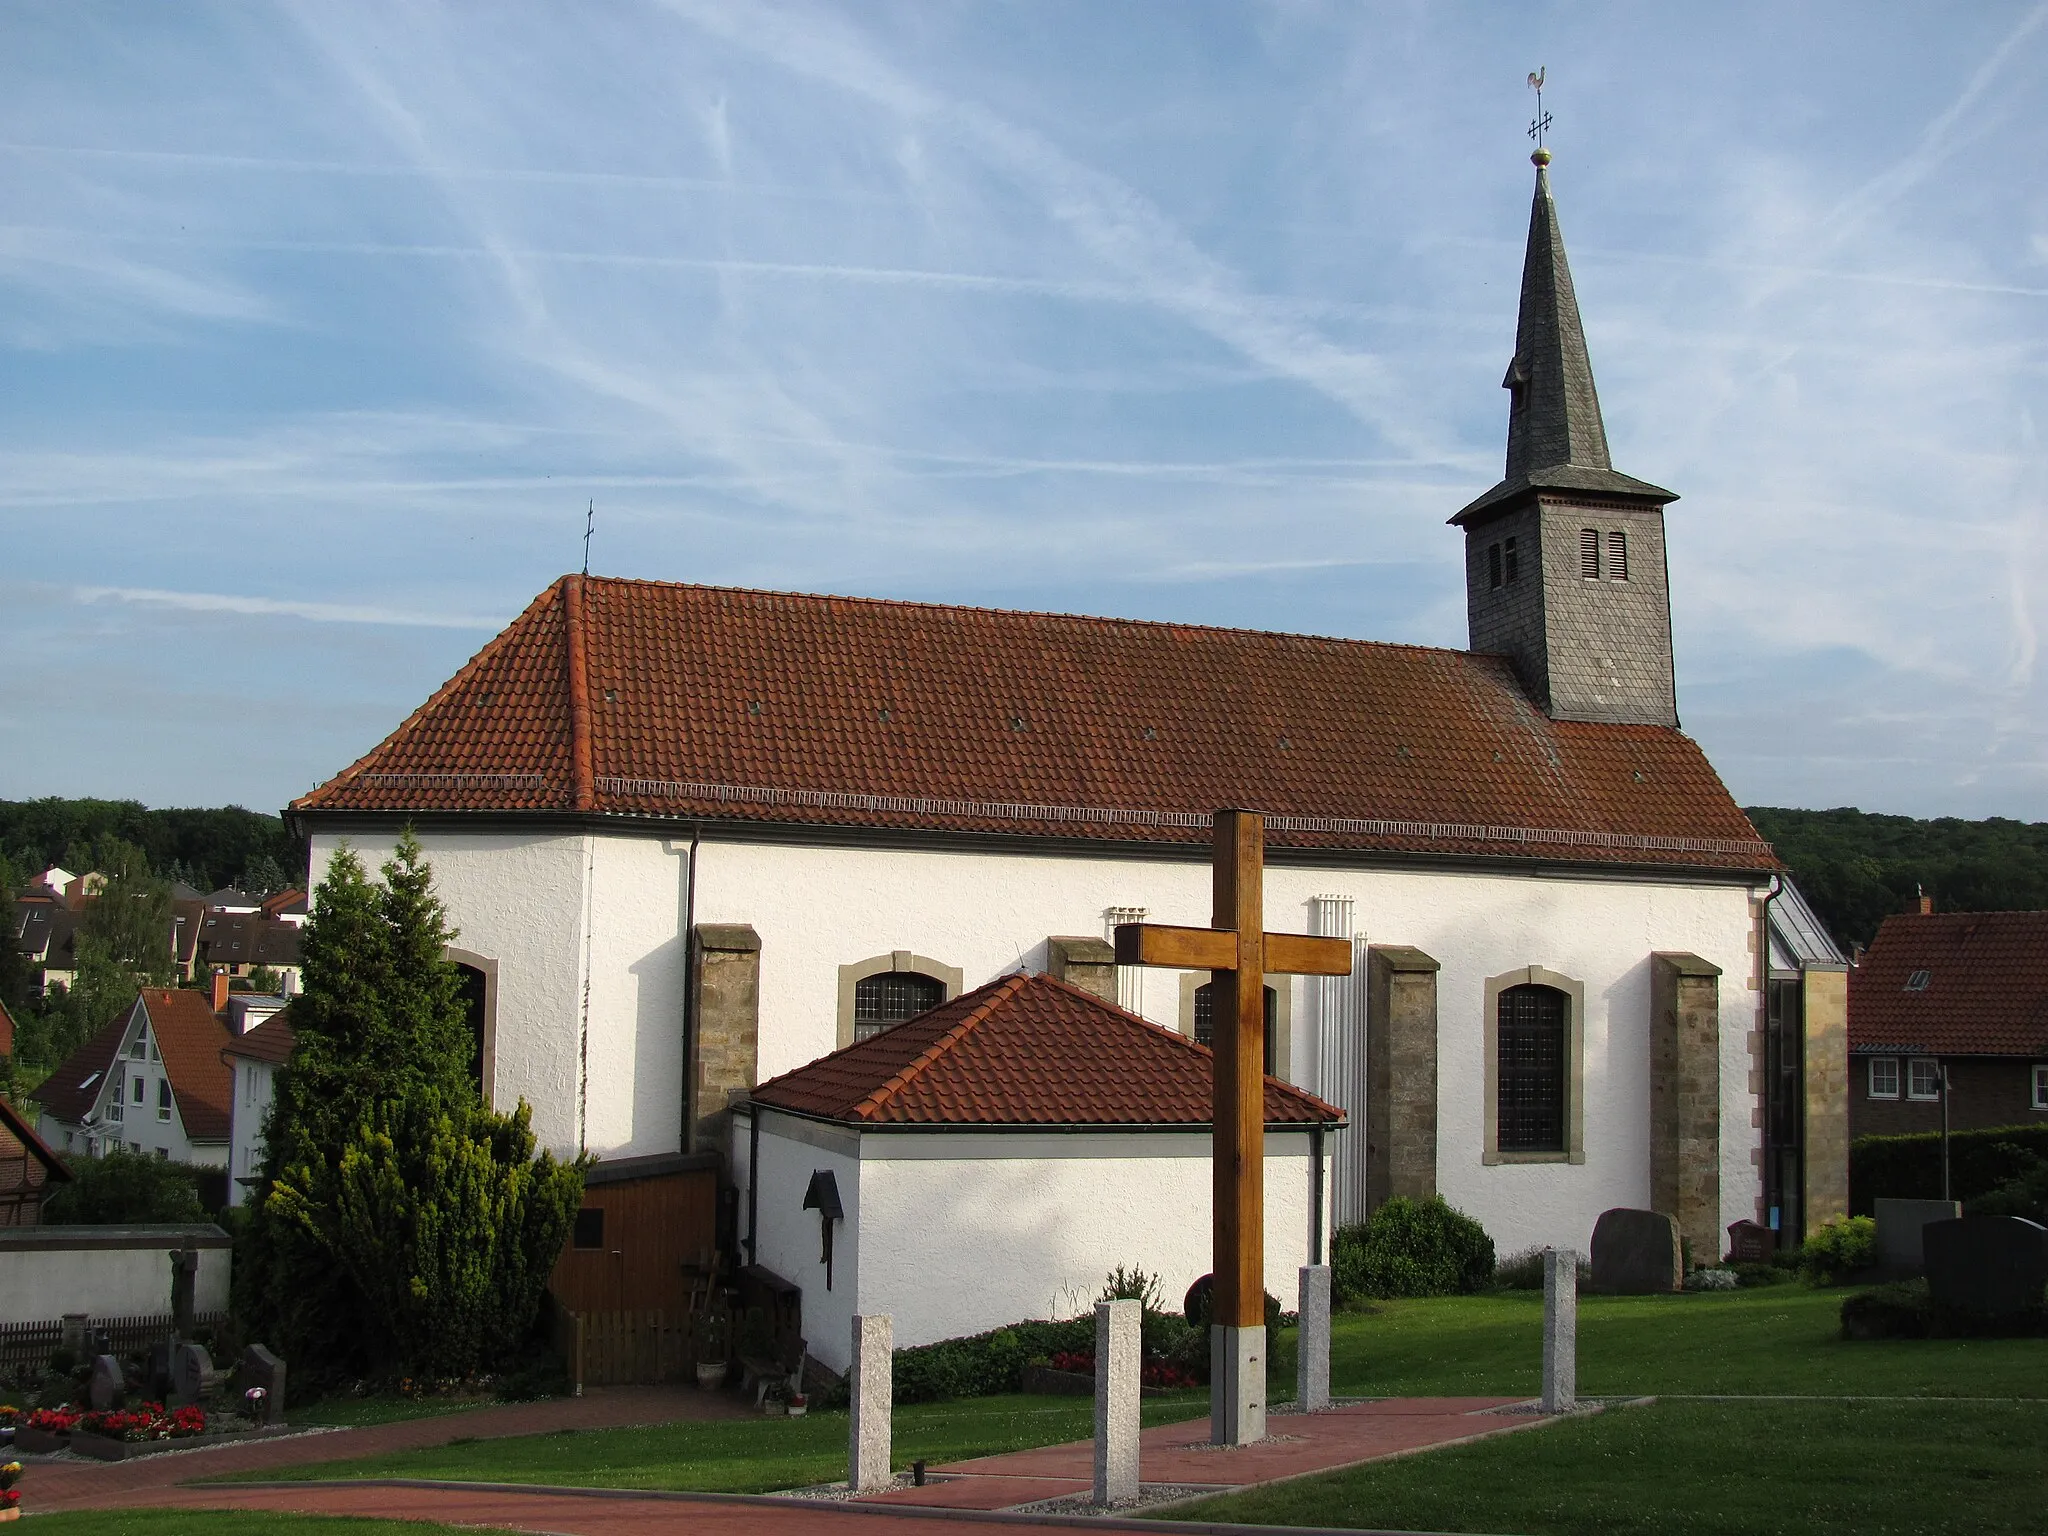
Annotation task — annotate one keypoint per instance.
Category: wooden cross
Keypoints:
(1239, 954)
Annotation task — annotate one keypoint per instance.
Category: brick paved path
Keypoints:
(955, 1502)
(82, 1485)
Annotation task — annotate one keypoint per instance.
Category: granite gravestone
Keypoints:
(192, 1373)
(1990, 1267)
(1899, 1225)
(108, 1383)
(261, 1369)
(1636, 1253)
(1750, 1242)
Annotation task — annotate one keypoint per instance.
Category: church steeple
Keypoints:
(1564, 558)
(1554, 411)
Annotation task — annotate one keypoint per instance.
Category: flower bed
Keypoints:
(1161, 1374)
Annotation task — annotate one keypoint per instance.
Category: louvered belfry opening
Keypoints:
(1532, 1069)
(880, 1002)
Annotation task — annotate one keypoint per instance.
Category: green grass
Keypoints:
(213, 1522)
(755, 1455)
(350, 1412)
(1699, 1469)
(1781, 1339)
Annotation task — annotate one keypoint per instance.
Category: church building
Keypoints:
(696, 837)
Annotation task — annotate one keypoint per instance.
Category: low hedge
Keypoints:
(1909, 1167)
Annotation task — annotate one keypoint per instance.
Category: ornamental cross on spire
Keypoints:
(1238, 953)
(1539, 126)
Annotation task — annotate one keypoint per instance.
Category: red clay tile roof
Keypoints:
(1022, 1050)
(1985, 992)
(651, 699)
(6, 1031)
(68, 1093)
(189, 1036)
(269, 1041)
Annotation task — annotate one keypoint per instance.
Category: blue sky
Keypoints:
(322, 324)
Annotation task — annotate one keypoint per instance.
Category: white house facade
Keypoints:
(151, 1083)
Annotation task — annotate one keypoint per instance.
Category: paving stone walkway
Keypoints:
(85, 1485)
(959, 1497)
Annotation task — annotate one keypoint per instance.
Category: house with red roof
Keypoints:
(29, 1169)
(1955, 1005)
(698, 838)
(151, 1081)
(995, 1157)
(259, 1045)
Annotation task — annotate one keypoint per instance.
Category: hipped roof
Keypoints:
(1023, 1050)
(648, 699)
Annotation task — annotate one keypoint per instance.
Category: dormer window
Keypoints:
(1589, 553)
(1919, 981)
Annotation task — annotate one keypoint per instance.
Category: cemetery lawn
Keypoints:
(354, 1412)
(1775, 1339)
(756, 1455)
(241, 1522)
(1698, 1469)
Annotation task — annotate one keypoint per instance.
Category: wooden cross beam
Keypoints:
(1239, 954)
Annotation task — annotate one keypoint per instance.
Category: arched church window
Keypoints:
(1205, 1018)
(880, 1002)
(472, 989)
(1532, 1044)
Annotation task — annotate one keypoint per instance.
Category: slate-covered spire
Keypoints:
(1554, 411)
(1556, 439)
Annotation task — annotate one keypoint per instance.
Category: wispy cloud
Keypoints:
(271, 607)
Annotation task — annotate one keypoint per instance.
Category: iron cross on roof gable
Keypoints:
(1239, 954)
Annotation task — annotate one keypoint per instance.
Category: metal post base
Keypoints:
(1237, 1385)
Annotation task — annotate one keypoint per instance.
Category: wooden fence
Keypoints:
(611, 1349)
(29, 1346)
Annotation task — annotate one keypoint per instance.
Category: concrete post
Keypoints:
(1119, 1356)
(1560, 1330)
(1312, 1340)
(874, 1392)
(1237, 1385)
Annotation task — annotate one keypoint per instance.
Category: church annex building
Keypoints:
(696, 838)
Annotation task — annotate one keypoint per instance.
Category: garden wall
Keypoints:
(106, 1272)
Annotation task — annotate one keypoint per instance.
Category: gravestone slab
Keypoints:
(1560, 1330)
(1750, 1242)
(1312, 1340)
(1636, 1253)
(1119, 1358)
(1899, 1225)
(872, 1384)
(260, 1368)
(191, 1373)
(1989, 1266)
(108, 1384)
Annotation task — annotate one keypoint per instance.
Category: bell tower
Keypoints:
(1564, 559)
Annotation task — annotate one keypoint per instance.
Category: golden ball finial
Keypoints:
(1540, 158)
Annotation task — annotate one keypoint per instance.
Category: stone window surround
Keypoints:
(948, 976)
(1283, 1016)
(1891, 1064)
(488, 968)
(1575, 1066)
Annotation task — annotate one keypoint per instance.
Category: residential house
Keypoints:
(28, 1170)
(151, 1081)
(1955, 995)
(255, 1054)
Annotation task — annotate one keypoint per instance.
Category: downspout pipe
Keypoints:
(1315, 1195)
(753, 1184)
(687, 1131)
(1763, 1024)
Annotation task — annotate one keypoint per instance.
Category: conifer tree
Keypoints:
(405, 1227)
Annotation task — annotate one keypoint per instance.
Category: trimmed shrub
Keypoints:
(125, 1189)
(985, 1363)
(1764, 1274)
(2025, 1195)
(1837, 1249)
(1900, 1311)
(1413, 1248)
(1909, 1167)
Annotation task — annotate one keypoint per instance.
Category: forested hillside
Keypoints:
(1856, 867)
(204, 848)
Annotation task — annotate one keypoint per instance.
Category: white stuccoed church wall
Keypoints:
(955, 1234)
(521, 900)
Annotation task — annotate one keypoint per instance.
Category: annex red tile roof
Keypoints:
(1985, 991)
(6, 1031)
(189, 1037)
(269, 1041)
(1023, 1050)
(653, 699)
(19, 1147)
